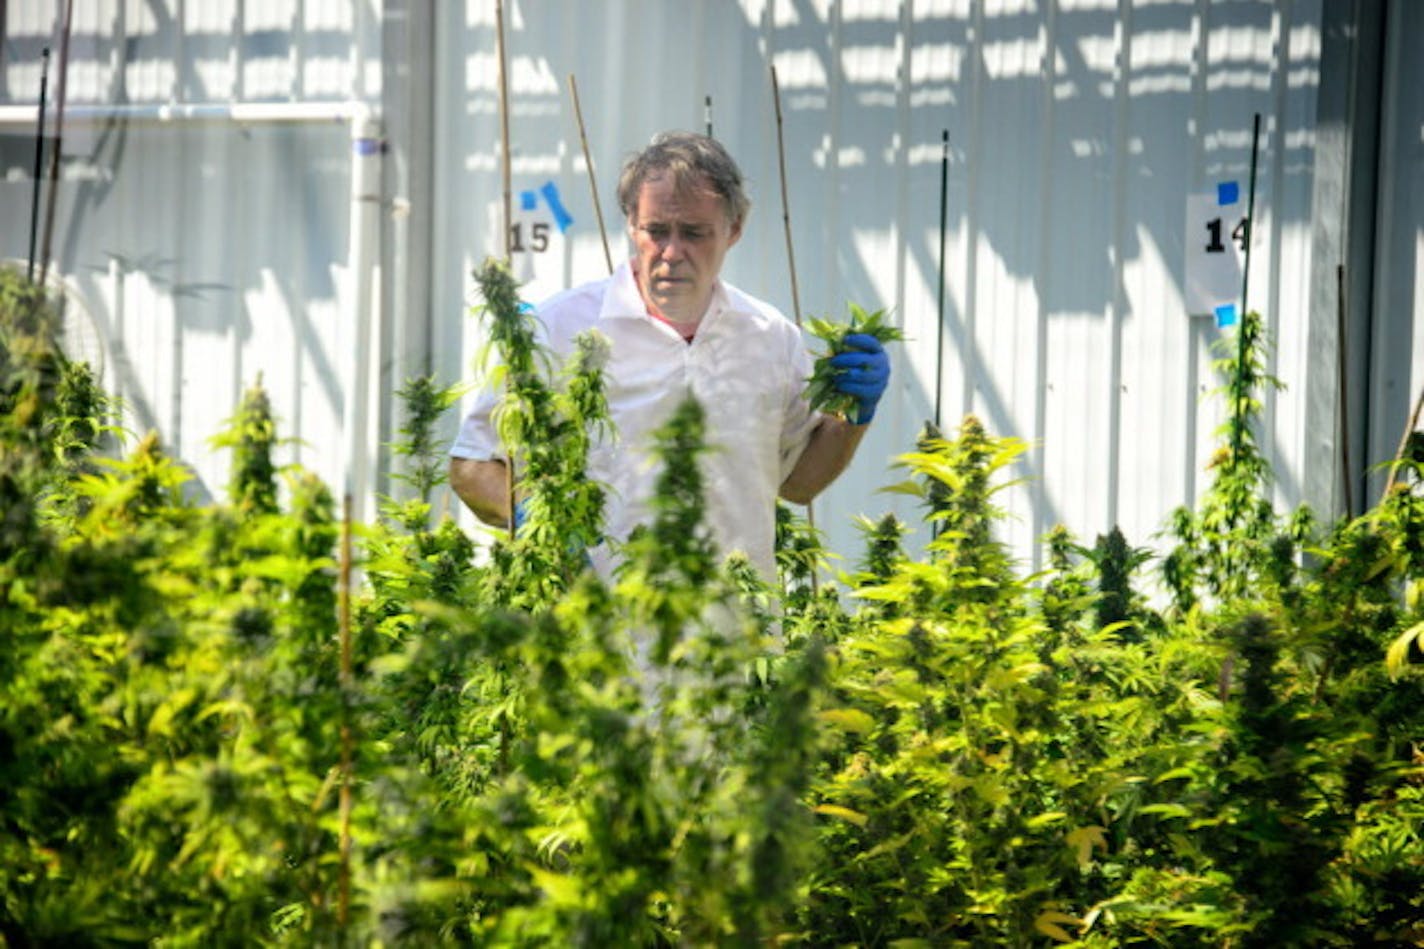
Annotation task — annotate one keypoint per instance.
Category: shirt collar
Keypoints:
(623, 301)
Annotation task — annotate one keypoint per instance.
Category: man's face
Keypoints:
(679, 239)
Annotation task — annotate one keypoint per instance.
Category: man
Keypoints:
(674, 326)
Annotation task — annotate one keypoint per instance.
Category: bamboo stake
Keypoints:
(785, 205)
(593, 185)
(344, 631)
(504, 129)
(508, 203)
(791, 263)
(1409, 429)
(58, 139)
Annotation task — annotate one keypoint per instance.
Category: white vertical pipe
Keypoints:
(362, 256)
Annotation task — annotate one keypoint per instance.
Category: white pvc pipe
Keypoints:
(362, 260)
(161, 112)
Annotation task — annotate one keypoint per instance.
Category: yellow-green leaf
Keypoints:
(1172, 775)
(848, 719)
(1043, 820)
(1048, 923)
(844, 813)
(1084, 839)
(1397, 658)
(162, 721)
(560, 888)
(991, 790)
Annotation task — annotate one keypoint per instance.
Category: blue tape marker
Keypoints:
(366, 146)
(1228, 192)
(562, 218)
(1225, 316)
(528, 200)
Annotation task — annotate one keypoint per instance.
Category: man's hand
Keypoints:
(864, 373)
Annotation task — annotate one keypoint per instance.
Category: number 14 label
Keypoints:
(1217, 232)
(1238, 234)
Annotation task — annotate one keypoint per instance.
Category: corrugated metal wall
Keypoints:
(201, 220)
(1077, 129)
(211, 251)
(1396, 367)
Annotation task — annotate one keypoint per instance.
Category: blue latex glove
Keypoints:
(864, 373)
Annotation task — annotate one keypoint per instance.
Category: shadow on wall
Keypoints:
(1072, 154)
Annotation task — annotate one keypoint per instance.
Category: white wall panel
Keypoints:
(1077, 128)
(209, 252)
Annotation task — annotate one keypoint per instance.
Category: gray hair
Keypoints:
(691, 159)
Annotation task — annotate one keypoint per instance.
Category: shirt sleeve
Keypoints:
(477, 439)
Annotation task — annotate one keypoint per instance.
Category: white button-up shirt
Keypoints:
(747, 366)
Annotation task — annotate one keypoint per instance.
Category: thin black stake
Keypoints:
(943, 224)
(58, 151)
(1250, 211)
(39, 165)
(707, 114)
(1247, 235)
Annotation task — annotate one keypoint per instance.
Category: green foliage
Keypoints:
(799, 557)
(425, 404)
(547, 429)
(209, 734)
(820, 388)
(1225, 543)
(941, 794)
(252, 436)
(30, 368)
